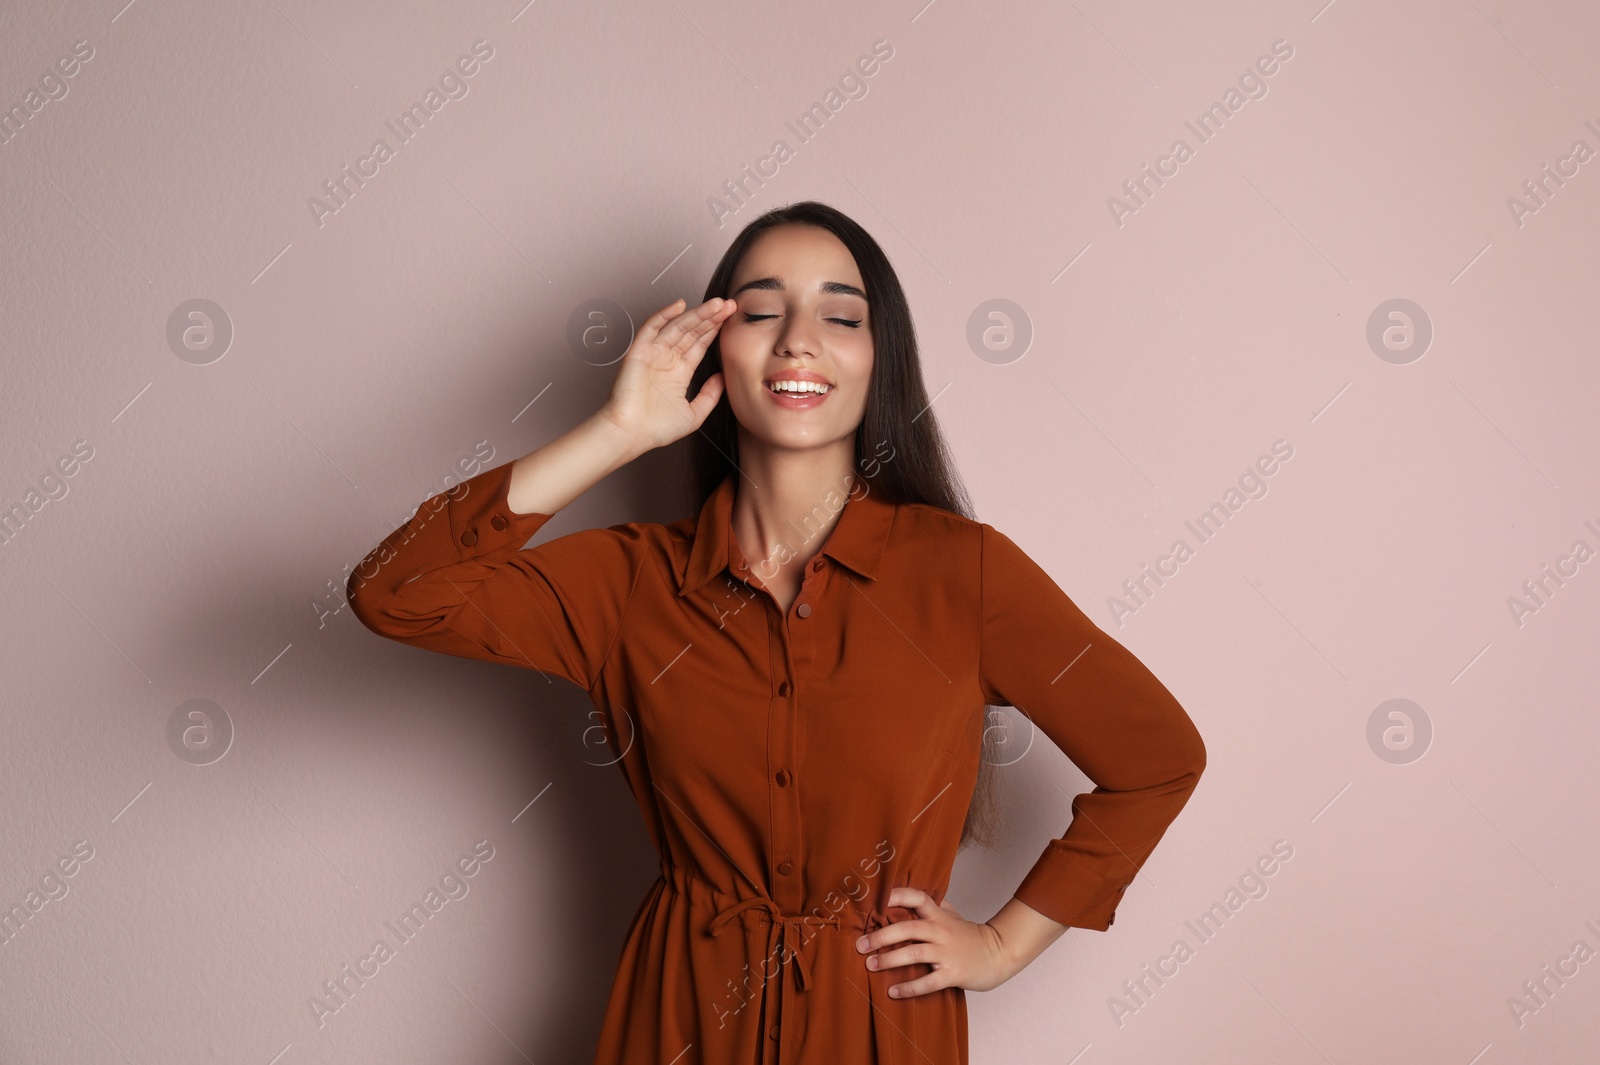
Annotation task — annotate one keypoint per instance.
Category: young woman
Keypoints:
(795, 679)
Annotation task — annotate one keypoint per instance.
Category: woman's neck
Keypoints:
(789, 501)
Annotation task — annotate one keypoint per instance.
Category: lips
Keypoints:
(792, 386)
(786, 380)
(799, 390)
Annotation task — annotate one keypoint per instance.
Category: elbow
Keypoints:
(1197, 761)
(361, 605)
(365, 597)
(1183, 753)
(1196, 746)
(1192, 759)
(353, 591)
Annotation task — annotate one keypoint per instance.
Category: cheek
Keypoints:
(859, 409)
(856, 363)
(741, 379)
(858, 378)
(738, 363)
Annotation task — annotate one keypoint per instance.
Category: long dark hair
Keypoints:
(897, 411)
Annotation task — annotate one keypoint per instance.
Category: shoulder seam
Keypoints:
(959, 519)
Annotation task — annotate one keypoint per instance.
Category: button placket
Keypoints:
(797, 651)
(787, 829)
(802, 606)
(785, 727)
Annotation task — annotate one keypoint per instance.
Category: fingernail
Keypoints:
(861, 944)
(872, 962)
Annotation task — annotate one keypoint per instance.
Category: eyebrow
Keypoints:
(776, 285)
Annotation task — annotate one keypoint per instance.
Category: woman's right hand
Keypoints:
(648, 399)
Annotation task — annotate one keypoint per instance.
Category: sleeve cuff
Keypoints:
(481, 520)
(1068, 894)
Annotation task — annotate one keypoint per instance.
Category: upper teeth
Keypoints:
(798, 386)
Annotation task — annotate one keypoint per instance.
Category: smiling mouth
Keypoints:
(799, 388)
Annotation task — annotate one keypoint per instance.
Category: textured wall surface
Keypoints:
(1155, 251)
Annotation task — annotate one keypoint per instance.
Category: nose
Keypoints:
(797, 338)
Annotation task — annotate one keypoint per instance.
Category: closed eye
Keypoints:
(764, 317)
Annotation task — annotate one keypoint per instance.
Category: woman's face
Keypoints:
(802, 313)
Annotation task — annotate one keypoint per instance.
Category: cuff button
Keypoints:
(499, 522)
(469, 537)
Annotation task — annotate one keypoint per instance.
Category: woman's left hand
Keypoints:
(963, 953)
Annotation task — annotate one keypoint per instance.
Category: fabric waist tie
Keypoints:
(784, 928)
(785, 931)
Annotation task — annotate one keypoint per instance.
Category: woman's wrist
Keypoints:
(1023, 934)
(620, 441)
(547, 479)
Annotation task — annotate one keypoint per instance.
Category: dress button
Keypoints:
(773, 1031)
(782, 777)
(804, 610)
(469, 537)
(742, 565)
(816, 565)
(499, 522)
(785, 868)
(783, 689)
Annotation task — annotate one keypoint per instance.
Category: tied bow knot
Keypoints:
(784, 928)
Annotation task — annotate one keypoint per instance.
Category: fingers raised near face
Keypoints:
(684, 329)
(702, 338)
(701, 406)
(658, 319)
(666, 327)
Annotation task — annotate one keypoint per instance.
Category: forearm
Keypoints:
(548, 478)
(1024, 933)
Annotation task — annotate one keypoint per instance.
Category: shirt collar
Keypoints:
(858, 538)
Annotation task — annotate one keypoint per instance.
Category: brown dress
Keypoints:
(794, 767)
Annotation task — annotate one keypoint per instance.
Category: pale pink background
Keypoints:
(373, 352)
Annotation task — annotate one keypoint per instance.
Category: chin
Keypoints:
(810, 441)
(790, 437)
